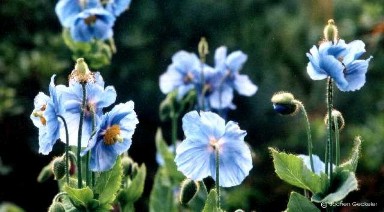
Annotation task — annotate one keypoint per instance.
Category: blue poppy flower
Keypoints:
(97, 98)
(340, 62)
(67, 10)
(228, 78)
(205, 134)
(318, 165)
(113, 137)
(45, 117)
(116, 7)
(94, 23)
(183, 74)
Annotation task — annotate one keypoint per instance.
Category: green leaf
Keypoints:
(134, 188)
(211, 203)
(81, 198)
(10, 207)
(292, 170)
(197, 203)
(344, 182)
(168, 157)
(162, 197)
(108, 183)
(351, 163)
(299, 203)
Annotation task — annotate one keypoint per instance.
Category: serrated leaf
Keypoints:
(344, 182)
(292, 170)
(168, 157)
(108, 183)
(351, 163)
(211, 203)
(162, 197)
(299, 203)
(81, 198)
(135, 187)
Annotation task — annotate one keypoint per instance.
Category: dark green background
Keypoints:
(275, 35)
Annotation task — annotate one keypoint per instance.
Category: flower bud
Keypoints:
(339, 117)
(330, 32)
(203, 49)
(58, 168)
(45, 174)
(126, 163)
(56, 207)
(284, 103)
(189, 189)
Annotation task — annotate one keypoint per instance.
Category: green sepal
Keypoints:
(211, 202)
(299, 203)
(351, 163)
(292, 170)
(81, 198)
(133, 189)
(108, 183)
(343, 183)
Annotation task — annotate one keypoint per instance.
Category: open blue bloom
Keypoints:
(94, 23)
(113, 136)
(205, 134)
(116, 7)
(340, 62)
(45, 117)
(229, 78)
(318, 165)
(97, 98)
(67, 10)
(183, 74)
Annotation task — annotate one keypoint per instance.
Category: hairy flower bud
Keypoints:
(189, 189)
(330, 32)
(58, 168)
(284, 103)
(56, 207)
(126, 163)
(339, 117)
(45, 174)
(203, 49)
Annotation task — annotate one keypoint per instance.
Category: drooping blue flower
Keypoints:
(97, 98)
(183, 74)
(67, 10)
(206, 133)
(94, 23)
(318, 165)
(113, 136)
(45, 117)
(116, 7)
(339, 61)
(229, 78)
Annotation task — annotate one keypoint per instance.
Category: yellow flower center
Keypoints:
(39, 114)
(112, 135)
(90, 20)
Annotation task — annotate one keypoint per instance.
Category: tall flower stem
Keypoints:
(79, 135)
(329, 147)
(337, 141)
(66, 148)
(217, 177)
(174, 118)
(309, 137)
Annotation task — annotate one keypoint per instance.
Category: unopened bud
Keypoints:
(284, 103)
(58, 168)
(189, 189)
(203, 49)
(45, 174)
(56, 207)
(126, 163)
(339, 117)
(330, 32)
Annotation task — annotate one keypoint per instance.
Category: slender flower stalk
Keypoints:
(79, 135)
(217, 177)
(329, 147)
(337, 141)
(66, 148)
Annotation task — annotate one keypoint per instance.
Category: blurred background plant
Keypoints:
(275, 35)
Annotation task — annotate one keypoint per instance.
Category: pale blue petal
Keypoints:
(170, 80)
(355, 75)
(66, 11)
(316, 73)
(244, 85)
(220, 57)
(334, 68)
(221, 98)
(212, 124)
(102, 157)
(192, 127)
(183, 90)
(235, 61)
(193, 159)
(355, 50)
(116, 7)
(108, 97)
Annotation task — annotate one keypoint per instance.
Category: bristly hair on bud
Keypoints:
(58, 168)
(81, 72)
(285, 103)
(339, 117)
(203, 49)
(331, 32)
(189, 189)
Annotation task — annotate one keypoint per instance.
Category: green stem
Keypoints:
(310, 146)
(337, 141)
(66, 148)
(79, 135)
(329, 161)
(174, 118)
(217, 177)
